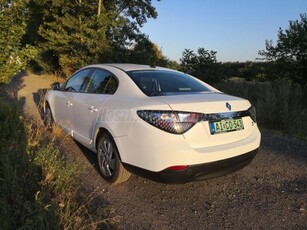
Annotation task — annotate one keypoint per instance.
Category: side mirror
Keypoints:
(55, 86)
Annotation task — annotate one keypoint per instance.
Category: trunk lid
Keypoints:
(205, 102)
(199, 136)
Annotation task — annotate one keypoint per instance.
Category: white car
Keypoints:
(159, 123)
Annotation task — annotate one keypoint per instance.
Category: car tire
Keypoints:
(48, 118)
(110, 165)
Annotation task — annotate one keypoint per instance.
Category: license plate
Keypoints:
(226, 126)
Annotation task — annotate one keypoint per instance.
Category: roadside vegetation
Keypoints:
(280, 106)
(40, 189)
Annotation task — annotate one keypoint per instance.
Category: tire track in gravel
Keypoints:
(270, 193)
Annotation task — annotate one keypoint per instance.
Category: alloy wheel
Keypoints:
(107, 158)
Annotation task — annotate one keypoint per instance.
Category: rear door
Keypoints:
(89, 104)
(64, 101)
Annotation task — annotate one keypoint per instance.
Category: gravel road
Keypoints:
(270, 193)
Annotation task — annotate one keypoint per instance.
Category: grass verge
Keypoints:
(39, 188)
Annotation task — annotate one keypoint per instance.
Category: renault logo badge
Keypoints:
(228, 106)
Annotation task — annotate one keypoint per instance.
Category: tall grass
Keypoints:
(280, 106)
(19, 176)
(39, 188)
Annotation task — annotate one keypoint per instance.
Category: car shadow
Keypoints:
(90, 155)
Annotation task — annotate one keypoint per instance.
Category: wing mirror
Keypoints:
(55, 86)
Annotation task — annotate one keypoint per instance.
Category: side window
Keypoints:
(78, 82)
(112, 86)
(102, 82)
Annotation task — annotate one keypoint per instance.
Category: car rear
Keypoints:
(196, 134)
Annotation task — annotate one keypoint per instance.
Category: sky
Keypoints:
(236, 29)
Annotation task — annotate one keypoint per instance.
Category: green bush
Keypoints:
(280, 106)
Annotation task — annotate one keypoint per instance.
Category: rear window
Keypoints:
(160, 82)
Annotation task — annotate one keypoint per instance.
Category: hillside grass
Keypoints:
(39, 188)
(280, 106)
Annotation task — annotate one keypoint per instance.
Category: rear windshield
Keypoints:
(160, 82)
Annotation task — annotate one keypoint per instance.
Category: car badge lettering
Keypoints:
(228, 106)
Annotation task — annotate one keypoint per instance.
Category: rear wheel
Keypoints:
(110, 166)
(48, 119)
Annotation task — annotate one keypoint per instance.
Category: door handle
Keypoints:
(68, 103)
(92, 109)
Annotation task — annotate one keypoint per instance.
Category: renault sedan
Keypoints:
(155, 122)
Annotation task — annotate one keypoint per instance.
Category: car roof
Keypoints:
(129, 67)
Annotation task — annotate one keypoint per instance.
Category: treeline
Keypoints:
(286, 61)
(203, 64)
(62, 36)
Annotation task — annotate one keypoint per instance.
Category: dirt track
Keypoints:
(270, 193)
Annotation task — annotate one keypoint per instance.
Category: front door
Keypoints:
(64, 100)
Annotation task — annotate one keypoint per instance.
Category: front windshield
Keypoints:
(161, 82)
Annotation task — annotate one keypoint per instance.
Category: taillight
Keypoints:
(171, 121)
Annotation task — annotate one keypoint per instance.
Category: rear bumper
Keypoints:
(150, 148)
(196, 172)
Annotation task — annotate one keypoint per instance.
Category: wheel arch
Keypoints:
(46, 103)
(100, 131)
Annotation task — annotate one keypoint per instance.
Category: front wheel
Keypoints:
(110, 166)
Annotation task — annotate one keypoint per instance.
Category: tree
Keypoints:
(172, 64)
(71, 34)
(68, 34)
(13, 56)
(146, 52)
(289, 55)
(188, 61)
(202, 64)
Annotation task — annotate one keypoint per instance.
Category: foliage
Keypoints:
(280, 106)
(202, 65)
(289, 56)
(61, 191)
(250, 71)
(14, 56)
(39, 188)
(71, 34)
(19, 176)
(173, 65)
(146, 52)
(62, 36)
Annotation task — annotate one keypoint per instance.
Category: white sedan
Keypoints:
(159, 123)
